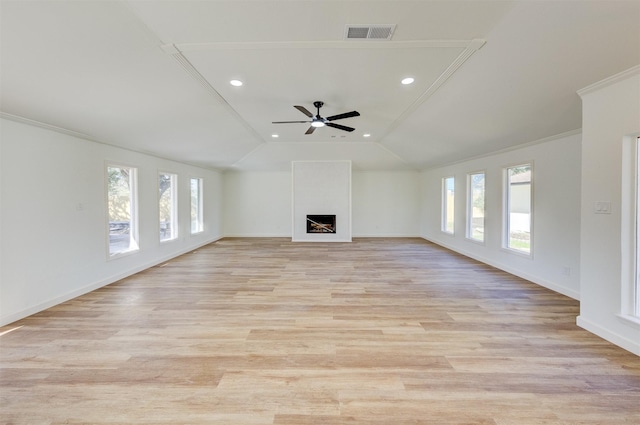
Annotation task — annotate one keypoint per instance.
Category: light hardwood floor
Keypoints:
(265, 331)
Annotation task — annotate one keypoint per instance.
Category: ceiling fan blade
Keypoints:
(288, 122)
(339, 127)
(304, 111)
(310, 130)
(345, 115)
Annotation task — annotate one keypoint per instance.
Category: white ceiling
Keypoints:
(153, 76)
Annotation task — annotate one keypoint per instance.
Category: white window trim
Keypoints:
(134, 210)
(444, 210)
(200, 204)
(506, 210)
(630, 231)
(174, 206)
(469, 217)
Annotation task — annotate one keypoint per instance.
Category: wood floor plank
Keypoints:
(265, 331)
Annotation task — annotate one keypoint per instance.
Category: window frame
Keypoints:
(630, 231)
(445, 210)
(173, 190)
(506, 210)
(134, 224)
(199, 207)
(635, 293)
(469, 221)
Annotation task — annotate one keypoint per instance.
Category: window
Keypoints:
(196, 206)
(475, 205)
(448, 191)
(634, 226)
(636, 310)
(122, 209)
(518, 208)
(636, 289)
(168, 206)
(630, 230)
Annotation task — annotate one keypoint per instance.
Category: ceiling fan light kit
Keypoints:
(318, 121)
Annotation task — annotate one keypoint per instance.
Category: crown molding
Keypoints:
(559, 136)
(46, 126)
(72, 133)
(610, 80)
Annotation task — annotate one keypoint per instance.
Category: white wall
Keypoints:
(257, 204)
(384, 204)
(54, 223)
(611, 116)
(555, 260)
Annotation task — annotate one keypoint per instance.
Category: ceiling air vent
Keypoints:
(369, 32)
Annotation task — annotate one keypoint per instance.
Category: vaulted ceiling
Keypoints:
(153, 76)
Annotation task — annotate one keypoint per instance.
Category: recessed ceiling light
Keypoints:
(366, 135)
(275, 136)
(236, 83)
(407, 80)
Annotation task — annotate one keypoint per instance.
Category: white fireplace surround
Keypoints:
(321, 188)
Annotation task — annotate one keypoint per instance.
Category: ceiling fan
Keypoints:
(318, 121)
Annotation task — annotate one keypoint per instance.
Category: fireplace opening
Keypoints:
(321, 223)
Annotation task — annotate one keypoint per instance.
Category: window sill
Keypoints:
(523, 254)
(475, 241)
(630, 320)
(122, 254)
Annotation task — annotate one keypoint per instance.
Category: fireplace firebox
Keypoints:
(321, 223)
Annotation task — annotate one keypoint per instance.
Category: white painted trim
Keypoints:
(134, 224)
(538, 281)
(506, 213)
(609, 81)
(630, 320)
(46, 126)
(195, 74)
(257, 235)
(324, 241)
(472, 47)
(612, 337)
(72, 133)
(394, 235)
(5, 320)
(468, 225)
(628, 216)
(511, 148)
(341, 44)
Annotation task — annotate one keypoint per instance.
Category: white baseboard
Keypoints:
(397, 235)
(612, 337)
(571, 293)
(14, 317)
(258, 235)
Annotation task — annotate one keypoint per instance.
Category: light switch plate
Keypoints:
(602, 207)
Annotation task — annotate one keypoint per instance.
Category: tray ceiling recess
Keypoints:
(161, 83)
(433, 62)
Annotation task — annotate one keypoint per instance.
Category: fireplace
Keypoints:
(321, 223)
